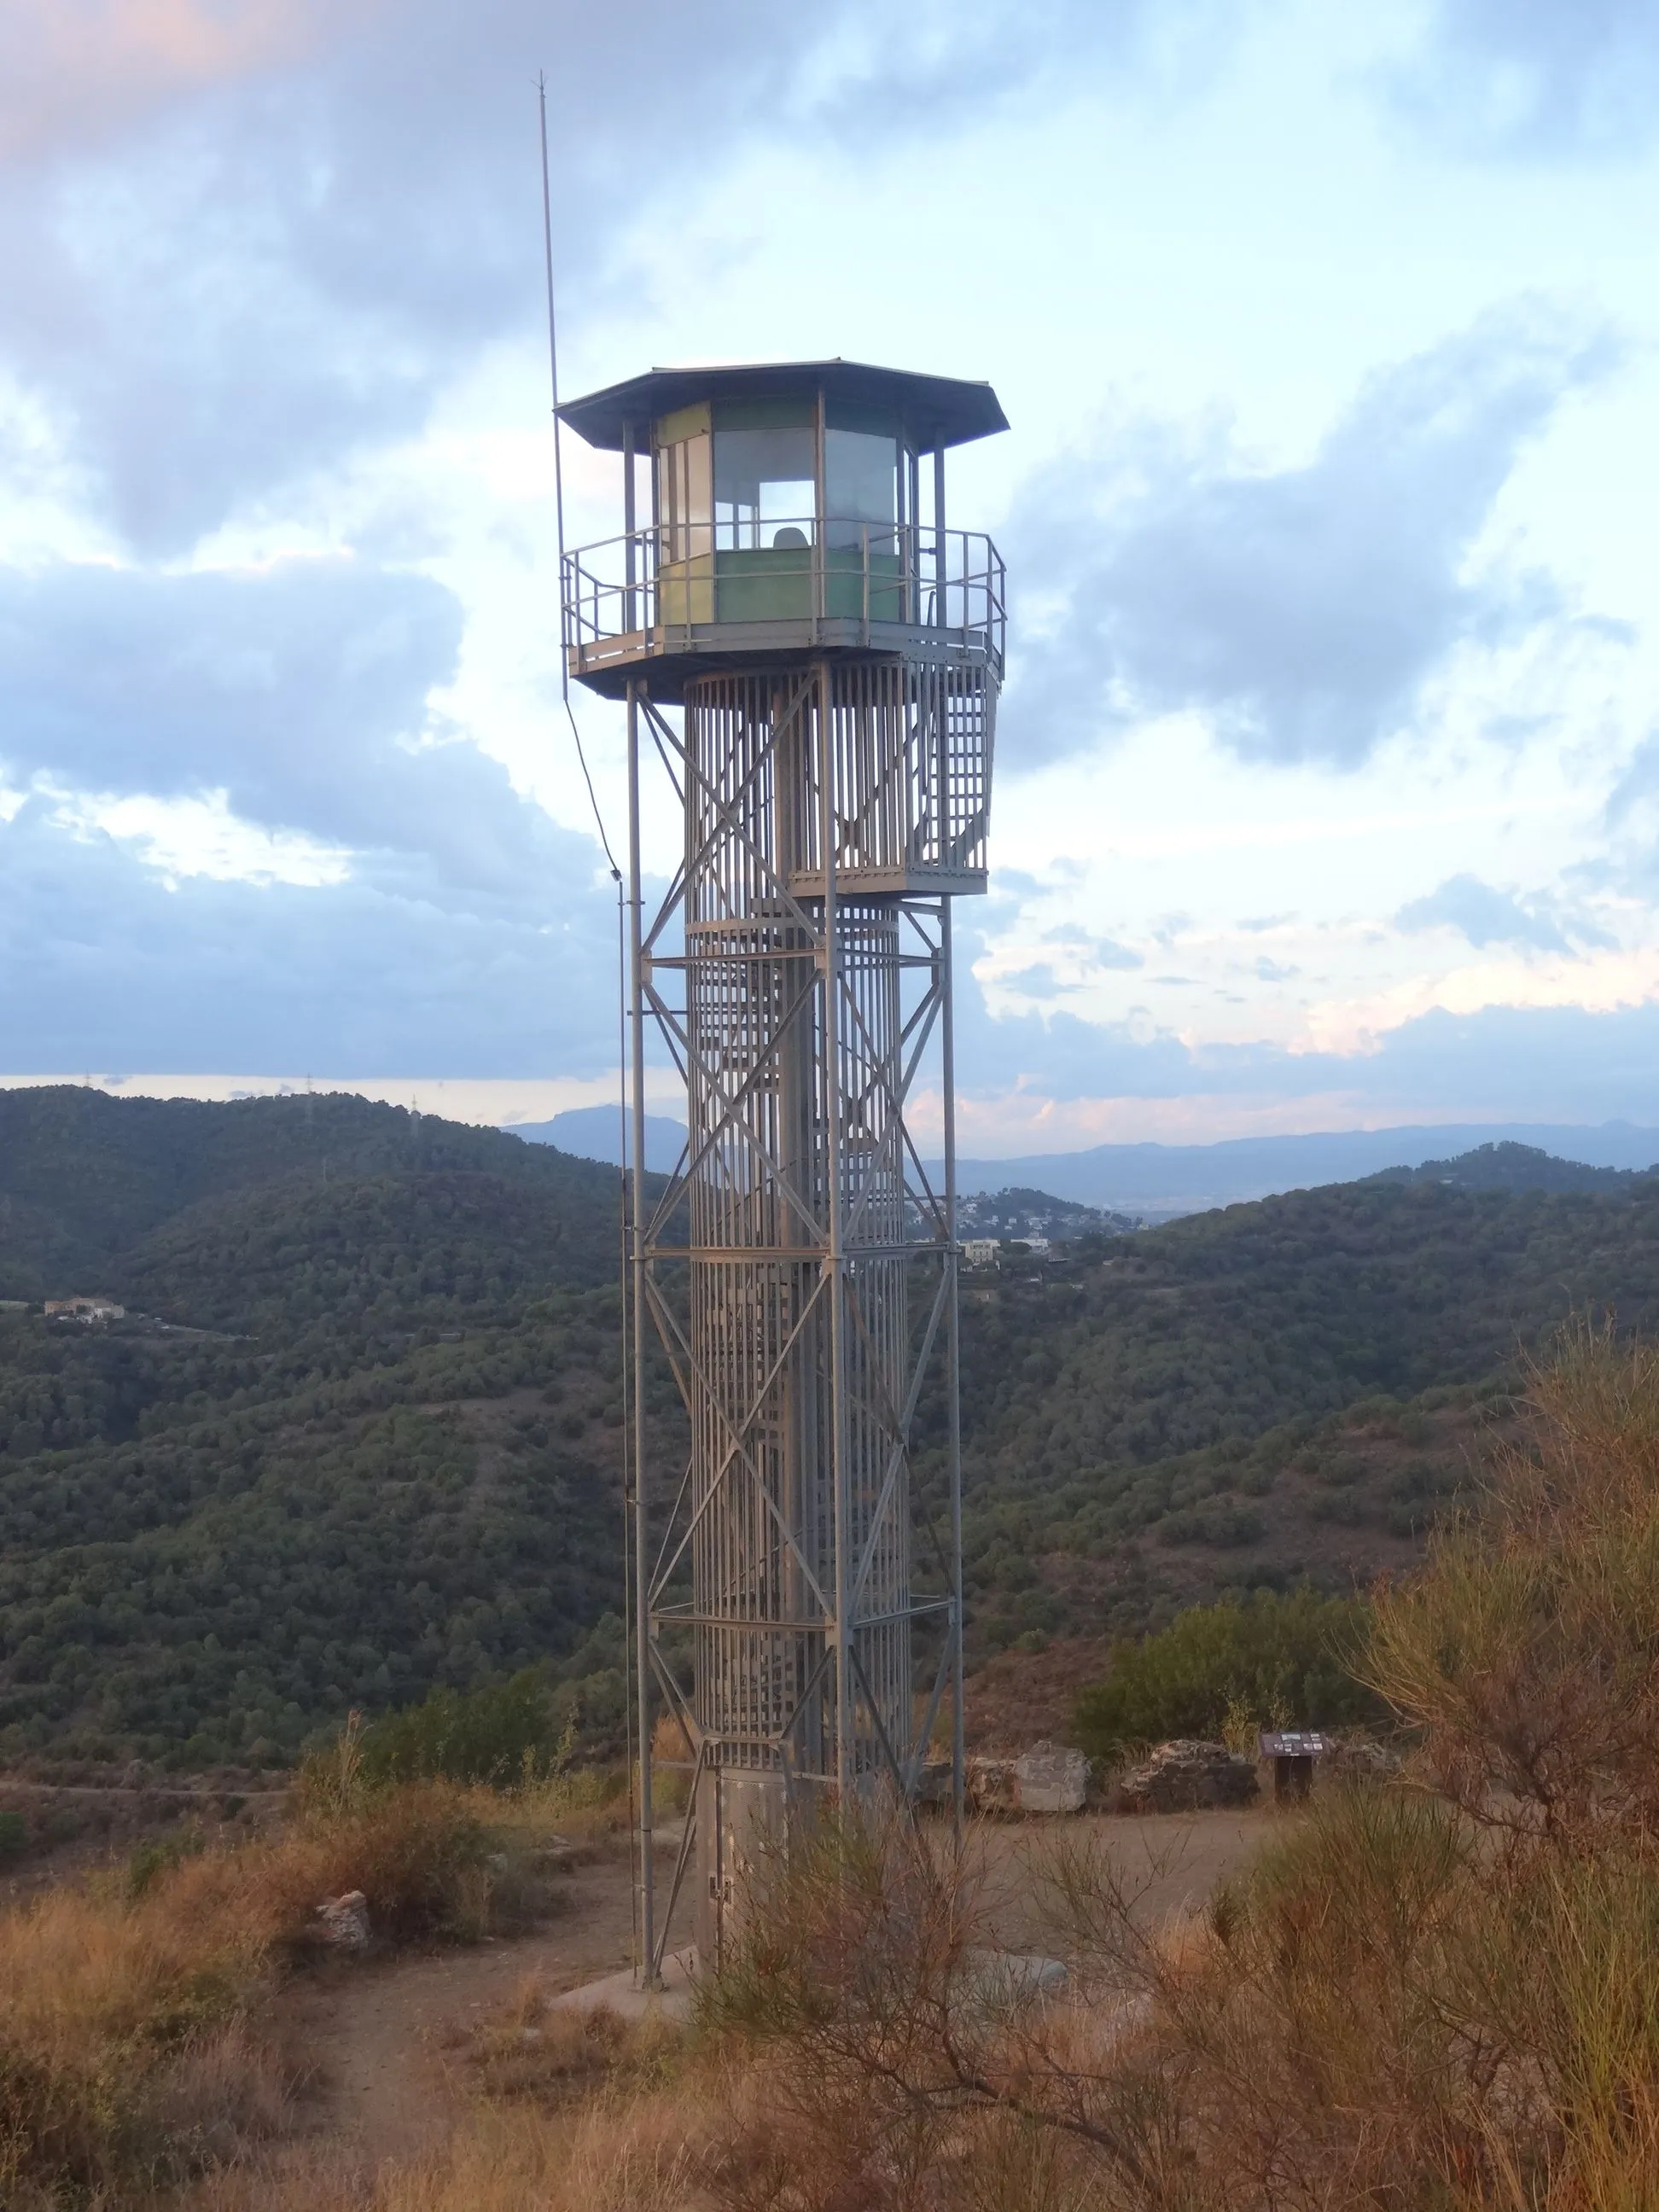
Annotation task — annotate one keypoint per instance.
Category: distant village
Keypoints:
(84, 1309)
(1019, 1226)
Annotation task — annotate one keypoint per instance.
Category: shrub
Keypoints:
(125, 2047)
(1526, 1648)
(503, 1731)
(1284, 1660)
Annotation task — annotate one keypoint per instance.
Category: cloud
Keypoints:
(238, 242)
(1300, 612)
(244, 843)
(301, 692)
(74, 72)
(1484, 915)
(1521, 1063)
(102, 965)
(1038, 981)
(1536, 78)
(1108, 953)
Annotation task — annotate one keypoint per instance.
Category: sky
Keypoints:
(1327, 768)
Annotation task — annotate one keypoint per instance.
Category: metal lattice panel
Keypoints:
(829, 809)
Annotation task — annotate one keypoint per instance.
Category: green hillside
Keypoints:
(85, 1178)
(361, 1431)
(1279, 1388)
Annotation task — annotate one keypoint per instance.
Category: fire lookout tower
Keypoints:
(814, 666)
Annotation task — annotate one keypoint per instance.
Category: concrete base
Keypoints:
(622, 1994)
(740, 1816)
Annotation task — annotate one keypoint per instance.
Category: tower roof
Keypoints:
(936, 410)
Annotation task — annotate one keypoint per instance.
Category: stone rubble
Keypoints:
(1051, 1778)
(342, 1922)
(1186, 1776)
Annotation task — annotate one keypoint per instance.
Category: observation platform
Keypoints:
(678, 600)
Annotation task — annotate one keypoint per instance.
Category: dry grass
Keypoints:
(622, 2148)
(1526, 1650)
(126, 2050)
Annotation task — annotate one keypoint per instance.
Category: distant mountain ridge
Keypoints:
(1512, 1167)
(595, 1132)
(1164, 1180)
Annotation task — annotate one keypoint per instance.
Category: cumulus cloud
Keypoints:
(241, 844)
(1484, 916)
(1519, 1063)
(237, 242)
(103, 963)
(1108, 953)
(301, 692)
(1537, 78)
(1300, 611)
(262, 263)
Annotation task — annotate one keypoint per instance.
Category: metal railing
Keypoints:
(651, 589)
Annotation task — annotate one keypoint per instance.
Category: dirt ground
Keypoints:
(382, 2043)
(381, 2040)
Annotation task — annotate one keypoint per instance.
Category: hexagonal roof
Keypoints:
(936, 410)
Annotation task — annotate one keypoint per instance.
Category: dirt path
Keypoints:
(380, 2036)
(383, 2039)
(1168, 1862)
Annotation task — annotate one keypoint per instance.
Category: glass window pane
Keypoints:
(683, 491)
(860, 470)
(764, 482)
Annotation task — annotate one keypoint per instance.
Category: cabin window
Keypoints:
(860, 491)
(765, 475)
(684, 493)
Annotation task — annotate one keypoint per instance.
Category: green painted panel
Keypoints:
(765, 414)
(775, 584)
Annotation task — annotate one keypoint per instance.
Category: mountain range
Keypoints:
(1159, 1182)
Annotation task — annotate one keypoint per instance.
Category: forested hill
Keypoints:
(1283, 1389)
(86, 1180)
(360, 1433)
(1515, 1168)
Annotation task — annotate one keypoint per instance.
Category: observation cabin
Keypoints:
(798, 518)
(800, 508)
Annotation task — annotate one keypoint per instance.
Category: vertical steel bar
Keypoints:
(821, 507)
(834, 1258)
(941, 567)
(628, 523)
(953, 1359)
(647, 1962)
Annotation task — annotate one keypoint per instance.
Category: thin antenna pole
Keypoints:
(650, 1975)
(629, 1199)
(553, 365)
(558, 478)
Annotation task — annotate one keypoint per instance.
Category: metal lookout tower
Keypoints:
(811, 657)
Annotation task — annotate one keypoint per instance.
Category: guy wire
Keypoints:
(558, 478)
(630, 1413)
